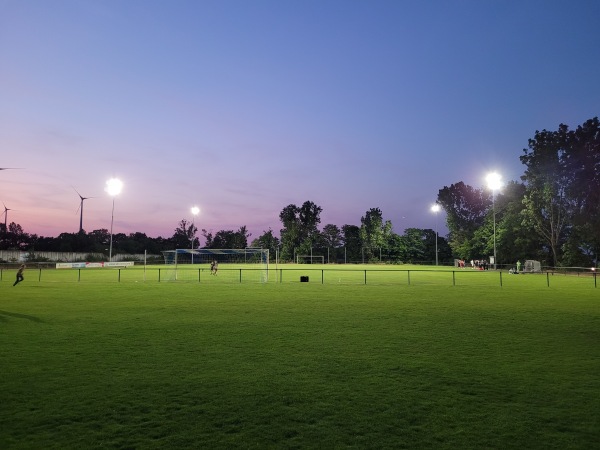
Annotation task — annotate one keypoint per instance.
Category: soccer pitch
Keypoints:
(299, 365)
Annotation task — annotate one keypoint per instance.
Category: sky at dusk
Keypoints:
(244, 107)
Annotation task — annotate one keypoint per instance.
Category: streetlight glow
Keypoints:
(113, 188)
(494, 182)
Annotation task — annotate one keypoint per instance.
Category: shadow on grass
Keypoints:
(5, 314)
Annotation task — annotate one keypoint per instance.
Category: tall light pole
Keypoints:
(436, 209)
(494, 182)
(113, 188)
(195, 210)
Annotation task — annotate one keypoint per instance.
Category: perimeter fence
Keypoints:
(323, 276)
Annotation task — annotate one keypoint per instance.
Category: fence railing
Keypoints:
(342, 275)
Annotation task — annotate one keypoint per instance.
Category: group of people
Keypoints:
(479, 264)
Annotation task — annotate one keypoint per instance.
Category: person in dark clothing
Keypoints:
(20, 275)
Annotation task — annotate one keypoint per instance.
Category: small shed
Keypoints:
(532, 266)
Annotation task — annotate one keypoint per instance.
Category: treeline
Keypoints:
(300, 235)
(551, 214)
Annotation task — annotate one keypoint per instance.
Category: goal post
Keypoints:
(309, 259)
(185, 263)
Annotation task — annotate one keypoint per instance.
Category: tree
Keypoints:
(331, 236)
(15, 238)
(352, 243)
(208, 238)
(269, 241)
(229, 239)
(299, 232)
(466, 209)
(309, 216)
(548, 207)
(182, 237)
(582, 160)
(374, 233)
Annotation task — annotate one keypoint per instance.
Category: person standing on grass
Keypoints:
(20, 275)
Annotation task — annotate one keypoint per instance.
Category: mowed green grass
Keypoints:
(402, 275)
(300, 365)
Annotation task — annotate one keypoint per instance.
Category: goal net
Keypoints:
(247, 264)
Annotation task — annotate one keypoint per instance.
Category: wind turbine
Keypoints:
(6, 210)
(80, 209)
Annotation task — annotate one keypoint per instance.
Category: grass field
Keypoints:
(222, 364)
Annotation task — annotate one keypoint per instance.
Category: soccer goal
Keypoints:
(249, 264)
(309, 259)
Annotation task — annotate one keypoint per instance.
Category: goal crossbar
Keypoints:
(251, 256)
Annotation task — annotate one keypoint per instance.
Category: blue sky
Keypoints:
(244, 107)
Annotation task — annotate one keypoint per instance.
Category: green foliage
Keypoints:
(269, 241)
(351, 240)
(466, 210)
(563, 183)
(374, 233)
(227, 238)
(183, 235)
(299, 233)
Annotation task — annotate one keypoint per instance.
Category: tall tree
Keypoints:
(331, 236)
(374, 233)
(182, 237)
(548, 207)
(300, 228)
(466, 209)
(352, 243)
(583, 162)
